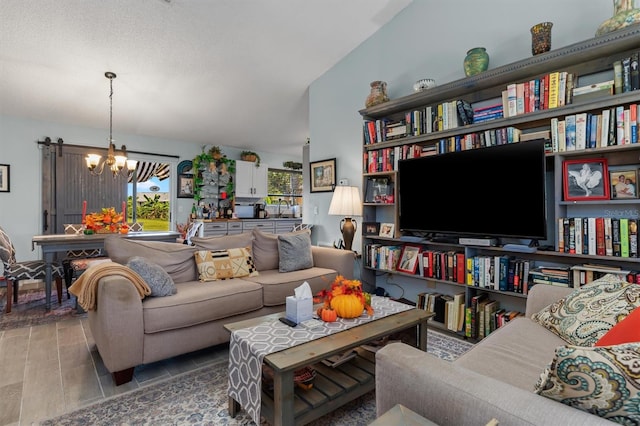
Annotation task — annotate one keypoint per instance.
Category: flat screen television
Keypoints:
(492, 192)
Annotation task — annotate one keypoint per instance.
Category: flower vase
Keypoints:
(476, 61)
(378, 94)
(624, 14)
(541, 38)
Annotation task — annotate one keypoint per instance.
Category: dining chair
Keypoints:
(15, 271)
(77, 261)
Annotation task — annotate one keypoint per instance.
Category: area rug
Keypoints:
(30, 309)
(200, 398)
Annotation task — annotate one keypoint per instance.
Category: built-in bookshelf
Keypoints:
(544, 96)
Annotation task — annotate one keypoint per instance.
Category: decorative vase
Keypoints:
(476, 61)
(624, 14)
(378, 94)
(541, 38)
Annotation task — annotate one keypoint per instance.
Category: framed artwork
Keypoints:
(185, 167)
(4, 178)
(386, 230)
(409, 259)
(185, 185)
(371, 228)
(379, 190)
(585, 180)
(624, 182)
(323, 175)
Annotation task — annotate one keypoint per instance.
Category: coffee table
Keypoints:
(333, 387)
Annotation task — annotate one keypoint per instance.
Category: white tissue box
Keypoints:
(299, 310)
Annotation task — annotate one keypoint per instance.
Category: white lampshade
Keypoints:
(346, 201)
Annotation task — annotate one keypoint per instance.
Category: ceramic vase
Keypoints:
(476, 61)
(541, 38)
(624, 14)
(378, 94)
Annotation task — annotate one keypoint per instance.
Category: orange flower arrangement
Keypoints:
(342, 286)
(107, 221)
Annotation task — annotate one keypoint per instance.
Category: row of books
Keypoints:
(613, 126)
(552, 90)
(577, 275)
(500, 272)
(626, 74)
(491, 137)
(382, 257)
(598, 236)
(449, 309)
(484, 315)
(386, 159)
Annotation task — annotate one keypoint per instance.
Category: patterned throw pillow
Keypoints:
(588, 313)
(223, 264)
(604, 381)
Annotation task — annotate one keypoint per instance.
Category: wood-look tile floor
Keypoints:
(51, 369)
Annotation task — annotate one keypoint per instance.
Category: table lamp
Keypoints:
(346, 202)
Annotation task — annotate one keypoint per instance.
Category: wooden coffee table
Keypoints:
(287, 404)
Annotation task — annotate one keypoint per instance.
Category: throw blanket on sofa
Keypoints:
(86, 285)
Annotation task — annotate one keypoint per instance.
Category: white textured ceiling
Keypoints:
(224, 72)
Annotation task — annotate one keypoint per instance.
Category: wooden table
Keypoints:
(55, 243)
(332, 387)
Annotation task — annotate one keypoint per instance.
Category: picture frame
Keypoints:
(185, 185)
(624, 182)
(408, 261)
(371, 228)
(585, 179)
(323, 175)
(379, 191)
(386, 230)
(5, 178)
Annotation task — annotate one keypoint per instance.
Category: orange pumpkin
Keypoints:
(328, 315)
(347, 305)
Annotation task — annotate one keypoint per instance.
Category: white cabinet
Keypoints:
(251, 181)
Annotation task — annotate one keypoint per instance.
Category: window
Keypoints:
(286, 185)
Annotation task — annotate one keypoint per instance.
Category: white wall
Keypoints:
(427, 39)
(21, 208)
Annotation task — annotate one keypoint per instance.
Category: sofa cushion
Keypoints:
(198, 303)
(176, 259)
(588, 313)
(223, 264)
(156, 278)
(265, 250)
(276, 286)
(223, 242)
(626, 331)
(604, 381)
(294, 251)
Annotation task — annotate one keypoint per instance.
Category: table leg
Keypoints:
(422, 336)
(48, 258)
(283, 395)
(234, 407)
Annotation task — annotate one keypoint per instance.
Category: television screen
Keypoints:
(494, 192)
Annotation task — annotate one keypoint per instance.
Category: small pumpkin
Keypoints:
(347, 305)
(328, 315)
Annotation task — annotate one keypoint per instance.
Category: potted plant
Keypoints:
(250, 156)
(215, 152)
(294, 165)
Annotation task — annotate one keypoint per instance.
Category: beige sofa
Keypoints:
(129, 331)
(493, 380)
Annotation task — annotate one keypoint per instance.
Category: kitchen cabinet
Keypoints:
(251, 181)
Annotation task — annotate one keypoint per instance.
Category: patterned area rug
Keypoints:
(200, 398)
(30, 309)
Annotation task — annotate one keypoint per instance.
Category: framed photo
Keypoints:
(379, 190)
(4, 178)
(386, 230)
(323, 175)
(585, 180)
(371, 228)
(185, 185)
(624, 182)
(409, 259)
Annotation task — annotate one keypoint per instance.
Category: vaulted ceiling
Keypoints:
(224, 72)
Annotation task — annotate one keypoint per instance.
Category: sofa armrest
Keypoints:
(542, 295)
(339, 260)
(448, 394)
(117, 324)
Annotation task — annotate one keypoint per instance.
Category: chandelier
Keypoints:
(115, 163)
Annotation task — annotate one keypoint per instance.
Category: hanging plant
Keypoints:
(250, 156)
(293, 165)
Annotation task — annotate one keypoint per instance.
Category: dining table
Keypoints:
(62, 243)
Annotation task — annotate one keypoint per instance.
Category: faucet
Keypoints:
(280, 200)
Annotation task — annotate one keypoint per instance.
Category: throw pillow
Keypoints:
(223, 264)
(265, 250)
(626, 331)
(156, 278)
(295, 252)
(588, 313)
(223, 242)
(604, 381)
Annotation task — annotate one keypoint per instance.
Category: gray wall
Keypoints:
(426, 39)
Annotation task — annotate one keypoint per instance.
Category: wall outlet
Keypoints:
(343, 182)
(316, 210)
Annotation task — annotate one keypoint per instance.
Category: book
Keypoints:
(633, 237)
(600, 239)
(624, 237)
(626, 74)
(635, 71)
(617, 77)
(570, 131)
(581, 130)
(554, 81)
(608, 237)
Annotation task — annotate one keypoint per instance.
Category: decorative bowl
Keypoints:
(424, 84)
